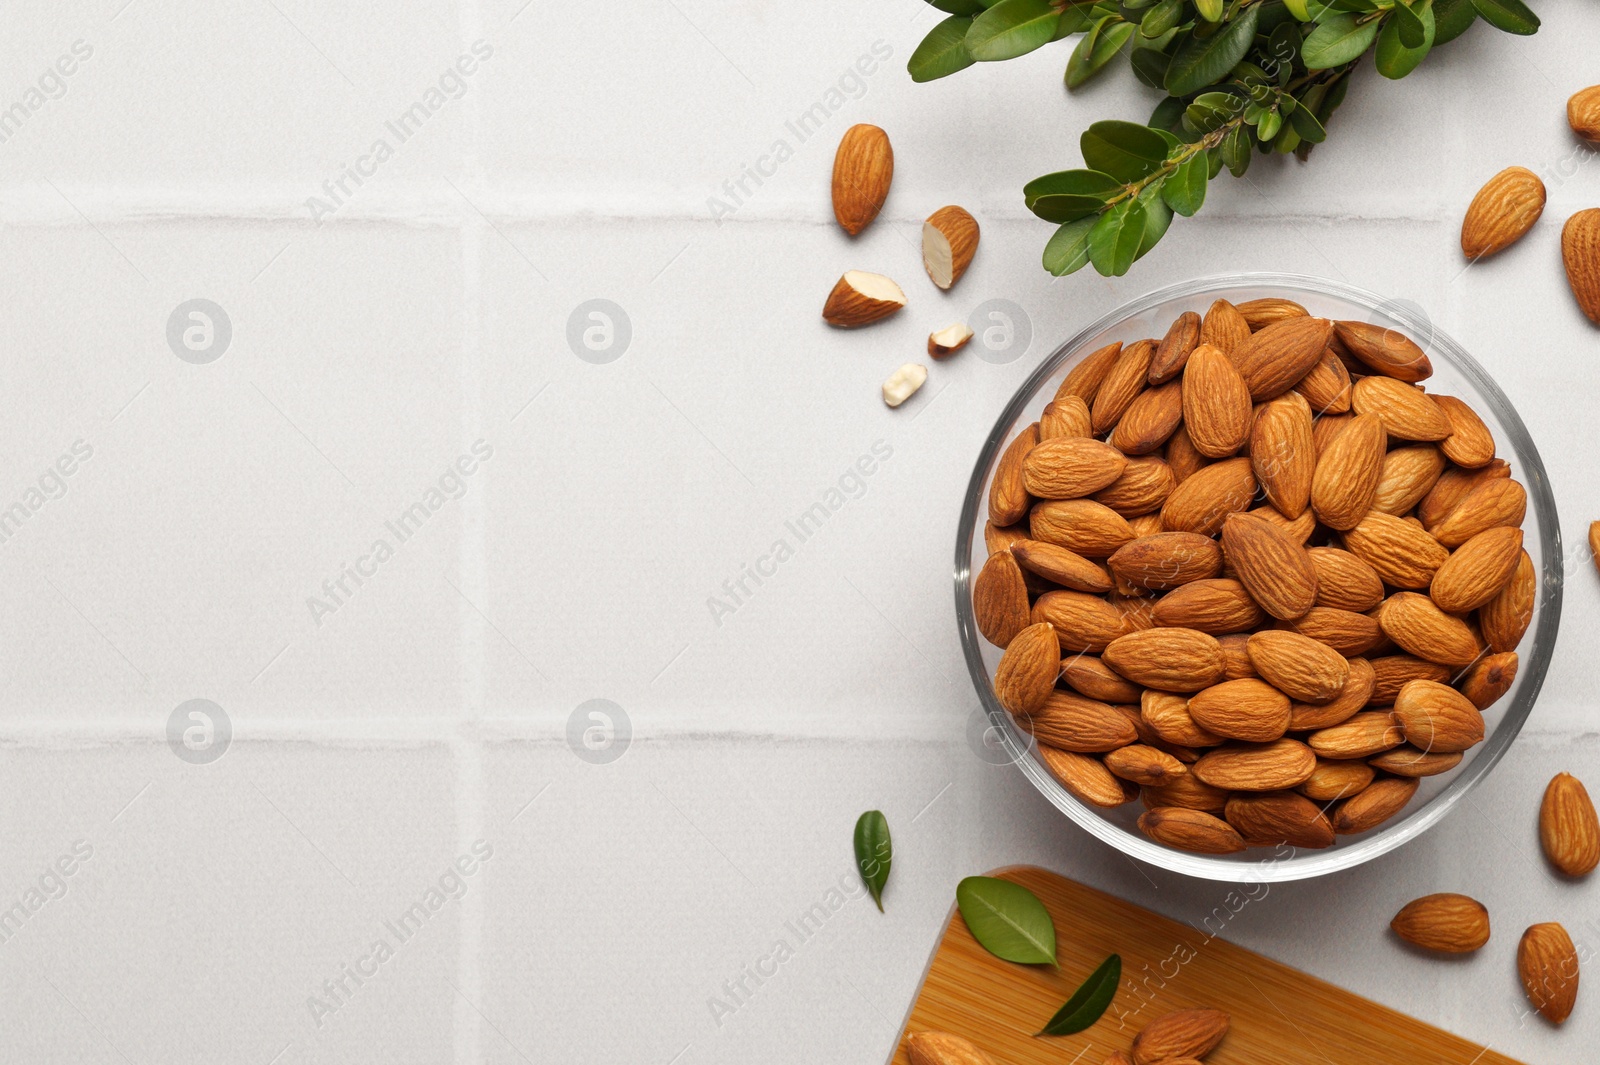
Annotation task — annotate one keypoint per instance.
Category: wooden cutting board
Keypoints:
(1279, 1014)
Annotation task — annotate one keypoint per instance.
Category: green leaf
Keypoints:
(1283, 48)
(1150, 66)
(1305, 123)
(1298, 9)
(1167, 113)
(1074, 19)
(1408, 24)
(1452, 18)
(1096, 49)
(1211, 110)
(1068, 249)
(1395, 58)
(1199, 63)
(1210, 10)
(1089, 1002)
(1125, 150)
(1236, 150)
(1157, 217)
(1161, 18)
(1270, 123)
(1511, 16)
(942, 52)
(1007, 919)
(1115, 239)
(1069, 194)
(959, 7)
(1185, 190)
(1338, 41)
(874, 852)
(1012, 28)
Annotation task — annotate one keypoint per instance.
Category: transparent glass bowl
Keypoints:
(1454, 373)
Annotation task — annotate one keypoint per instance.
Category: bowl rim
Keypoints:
(1277, 866)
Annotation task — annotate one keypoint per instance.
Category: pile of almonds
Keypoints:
(1181, 1037)
(1254, 574)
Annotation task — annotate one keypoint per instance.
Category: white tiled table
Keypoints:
(425, 708)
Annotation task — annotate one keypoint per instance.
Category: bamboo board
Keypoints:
(1278, 1014)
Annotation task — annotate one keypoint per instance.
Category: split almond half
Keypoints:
(949, 240)
(949, 340)
(903, 383)
(861, 298)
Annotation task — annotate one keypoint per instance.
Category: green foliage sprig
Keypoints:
(1239, 76)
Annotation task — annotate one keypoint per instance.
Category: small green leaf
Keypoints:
(1270, 123)
(1210, 10)
(1074, 19)
(874, 852)
(1283, 48)
(1167, 114)
(1072, 183)
(1338, 41)
(1199, 63)
(1452, 18)
(1298, 9)
(1150, 66)
(1089, 1002)
(1211, 110)
(959, 7)
(1396, 59)
(1125, 150)
(1068, 249)
(1512, 16)
(1305, 123)
(1096, 49)
(1115, 239)
(1157, 217)
(1161, 18)
(1408, 24)
(1005, 918)
(942, 52)
(1236, 150)
(1185, 190)
(1012, 28)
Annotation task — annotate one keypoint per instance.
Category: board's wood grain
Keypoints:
(1279, 1014)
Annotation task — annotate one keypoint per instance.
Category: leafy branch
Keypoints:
(1239, 77)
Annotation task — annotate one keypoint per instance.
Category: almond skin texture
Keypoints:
(1408, 761)
(942, 1048)
(1436, 717)
(1182, 456)
(1580, 251)
(1367, 733)
(1502, 212)
(1084, 379)
(1406, 412)
(1224, 328)
(1274, 360)
(1300, 667)
(1374, 804)
(1249, 709)
(1145, 765)
(1569, 830)
(859, 298)
(1421, 628)
(1388, 351)
(1268, 310)
(949, 241)
(1477, 570)
(1446, 923)
(1027, 671)
(1087, 778)
(1215, 606)
(1216, 403)
(1333, 780)
(1277, 571)
(1000, 599)
(1172, 354)
(1008, 495)
(1203, 501)
(1190, 830)
(1122, 384)
(1393, 672)
(1189, 793)
(1092, 678)
(1081, 525)
(863, 168)
(1266, 819)
(1180, 1034)
(1145, 484)
(1548, 964)
(1066, 568)
(1068, 416)
(1399, 552)
(1345, 631)
(1172, 660)
(1283, 454)
(1490, 677)
(1344, 581)
(1082, 622)
(1167, 715)
(1409, 474)
(1470, 442)
(1350, 701)
(1505, 618)
(1583, 113)
(1453, 486)
(1070, 467)
(1326, 387)
(1149, 419)
(1347, 474)
(1167, 560)
(1274, 766)
(1086, 726)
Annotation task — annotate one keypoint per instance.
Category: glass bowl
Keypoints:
(1455, 373)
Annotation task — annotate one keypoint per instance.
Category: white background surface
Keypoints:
(430, 710)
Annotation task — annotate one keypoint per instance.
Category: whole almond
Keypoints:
(1027, 671)
(1569, 830)
(1346, 479)
(942, 1048)
(1393, 672)
(1216, 403)
(1248, 709)
(1190, 830)
(1182, 456)
(1090, 677)
(1215, 606)
(1495, 502)
(1326, 429)
(1470, 443)
(1583, 113)
(1367, 733)
(1506, 617)
(1081, 525)
(1298, 530)
(1087, 778)
(997, 538)
(1402, 554)
(1189, 793)
(1068, 416)
(1421, 628)
(1326, 386)
(1266, 819)
(1203, 501)
(1298, 666)
(1374, 804)
(1436, 717)
(1408, 761)
(1171, 660)
(1490, 677)
(1580, 251)
(1385, 350)
(1166, 560)
(1269, 310)
(1283, 454)
(1344, 581)
(1070, 467)
(863, 168)
(1180, 1034)
(1175, 348)
(1502, 212)
(1409, 474)
(1274, 360)
(1477, 570)
(1149, 420)
(1082, 622)
(1224, 328)
(1066, 568)
(1548, 964)
(1167, 715)
(1454, 485)
(1145, 765)
(1446, 922)
(1236, 651)
(1084, 379)
(1122, 384)
(1407, 412)
(1345, 631)
(1274, 766)
(1000, 599)
(1333, 780)
(1008, 495)
(1277, 571)
(1072, 723)
(1143, 487)
(1351, 699)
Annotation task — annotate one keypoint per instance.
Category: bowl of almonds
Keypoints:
(1257, 576)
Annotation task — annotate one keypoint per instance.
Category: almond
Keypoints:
(1174, 660)
(1144, 486)
(1402, 554)
(1214, 606)
(1008, 495)
(1089, 676)
(1345, 631)
(1084, 379)
(1283, 454)
(1085, 726)
(859, 298)
(1087, 778)
(1583, 113)
(1569, 831)
(945, 342)
(1277, 571)
(1149, 420)
(1269, 310)
(1393, 672)
(1070, 467)
(1067, 416)
(863, 168)
(1182, 456)
(1168, 717)
(1180, 1034)
(1367, 733)
(1216, 403)
(1408, 761)
(1347, 473)
(1266, 819)
(1548, 964)
(1326, 386)
(1333, 780)
(1187, 792)
(1298, 530)
(949, 241)
(1175, 348)
(1274, 360)
(1502, 212)
(1117, 1057)
(1477, 570)
(1146, 765)
(1446, 922)
(904, 383)
(1495, 502)
(1344, 581)
(1490, 677)
(1000, 599)
(1081, 622)
(1190, 830)
(1470, 442)
(1407, 412)
(1506, 617)
(1436, 717)
(1387, 351)
(1273, 766)
(1298, 666)
(1080, 525)
(1224, 327)
(1374, 804)
(1326, 429)
(1248, 709)
(1352, 697)
(942, 1048)
(1453, 486)
(1409, 474)
(1066, 568)
(1122, 384)
(1580, 251)
(1203, 501)
(1421, 628)
(998, 538)
(1027, 671)
(1167, 560)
